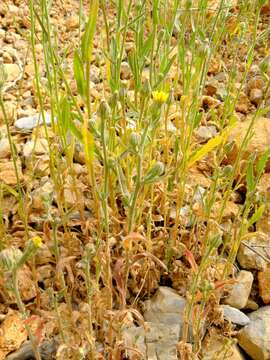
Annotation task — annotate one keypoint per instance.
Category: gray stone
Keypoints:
(255, 337)
(247, 258)
(166, 307)
(235, 316)
(161, 341)
(37, 147)
(12, 71)
(30, 122)
(239, 292)
(205, 133)
(153, 341)
(4, 148)
(256, 96)
(218, 347)
(134, 338)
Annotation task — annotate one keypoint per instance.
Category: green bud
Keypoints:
(104, 110)
(31, 248)
(154, 173)
(265, 64)
(9, 258)
(227, 170)
(113, 99)
(122, 94)
(228, 147)
(135, 140)
(161, 35)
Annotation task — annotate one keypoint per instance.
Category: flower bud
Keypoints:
(154, 173)
(135, 140)
(104, 110)
(9, 258)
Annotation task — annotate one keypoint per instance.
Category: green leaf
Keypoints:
(75, 131)
(262, 162)
(263, 111)
(257, 215)
(164, 69)
(251, 182)
(88, 36)
(134, 66)
(79, 73)
(209, 146)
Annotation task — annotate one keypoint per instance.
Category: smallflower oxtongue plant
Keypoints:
(160, 96)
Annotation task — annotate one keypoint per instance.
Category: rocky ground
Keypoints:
(238, 326)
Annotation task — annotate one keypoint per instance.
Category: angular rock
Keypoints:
(258, 144)
(256, 82)
(12, 70)
(12, 334)
(256, 96)
(264, 285)
(153, 342)
(37, 147)
(4, 148)
(239, 292)
(251, 305)
(161, 342)
(263, 224)
(134, 337)
(255, 337)
(249, 259)
(8, 174)
(205, 133)
(10, 109)
(72, 22)
(218, 347)
(243, 103)
(30, 122)
(166, 307)
(47, 350)
(230, 212)
(234, 315)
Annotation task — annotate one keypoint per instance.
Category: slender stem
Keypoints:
(24, 313)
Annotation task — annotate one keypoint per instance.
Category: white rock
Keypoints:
(256, 96)
(218, 347)
(30, 122)
(205, 133)
(234, 315)
(134, 337)
(4, 148)
(166, 307)
(247, 258)
(37, 147)
(154, 341)
(12, 71)
(239, 292)
(161, 341)
(255, 337)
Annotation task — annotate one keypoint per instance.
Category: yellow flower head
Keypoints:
(160, 96)
(37, 241)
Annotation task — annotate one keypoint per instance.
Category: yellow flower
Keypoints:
(37, 241)
(160, 96)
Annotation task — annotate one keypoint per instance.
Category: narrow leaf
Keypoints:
(88, 36)
(209, 146)
(79, 73)
(257, 215)
(262, 162)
